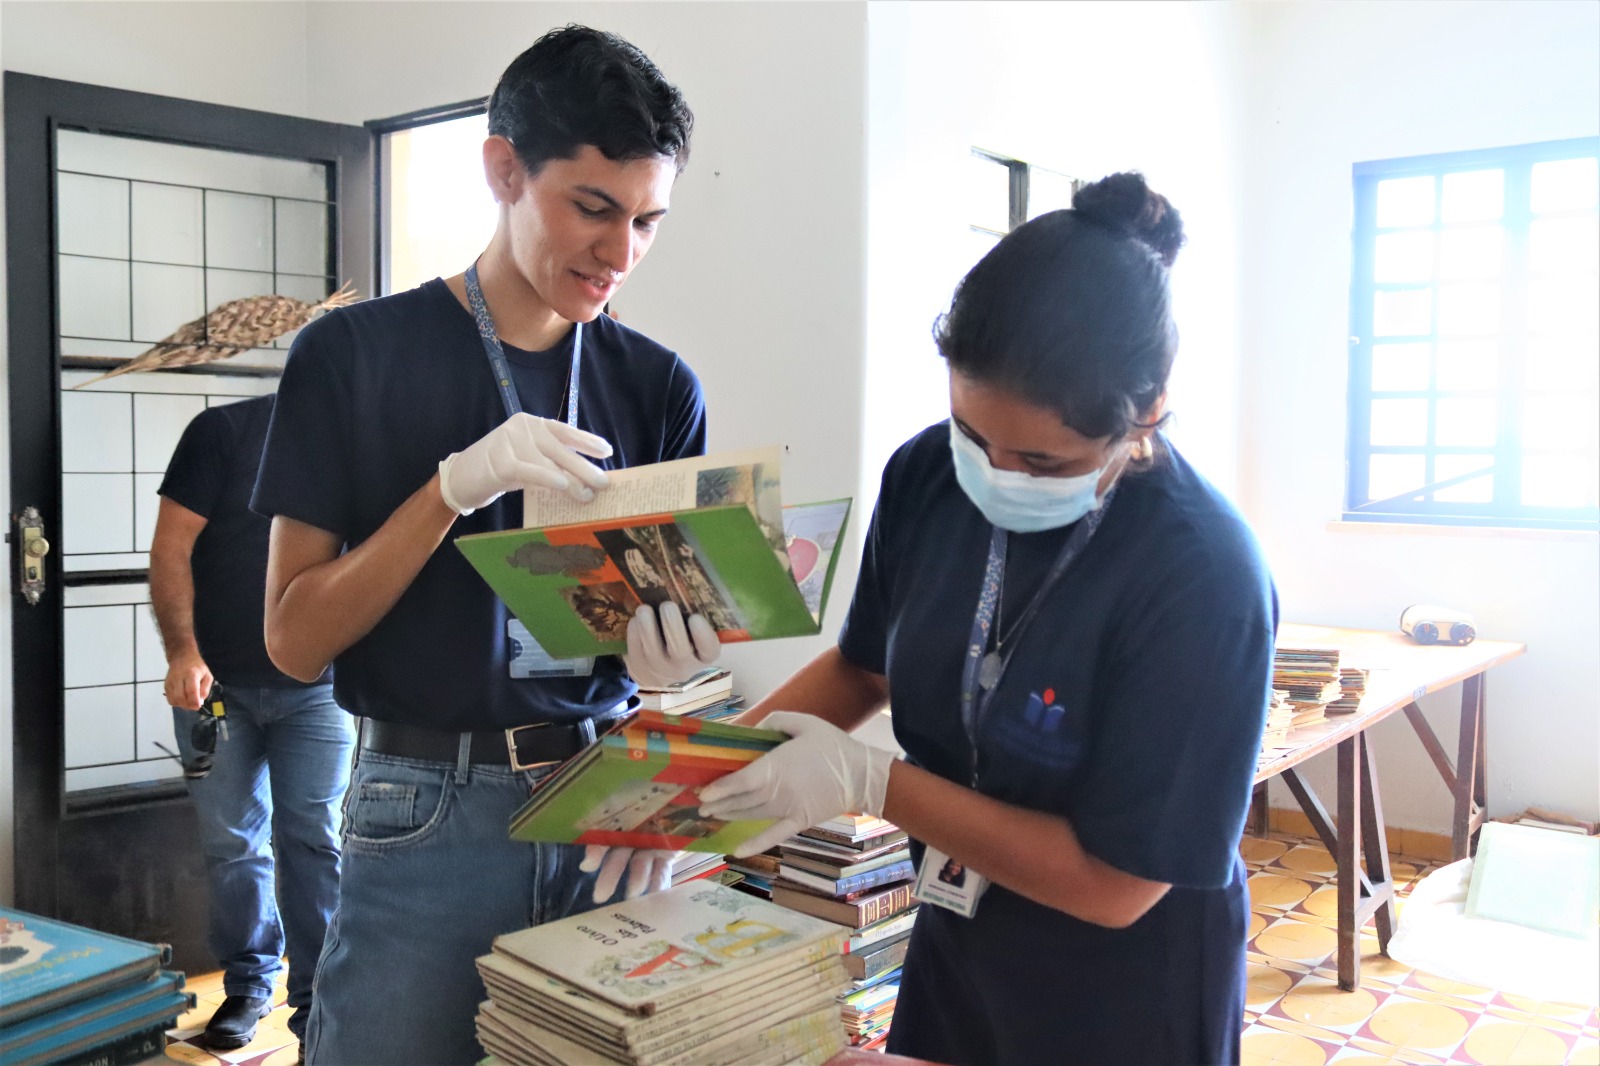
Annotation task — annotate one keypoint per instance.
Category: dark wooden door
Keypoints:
(128, 215)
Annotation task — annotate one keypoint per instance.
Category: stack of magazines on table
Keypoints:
(71, 996)
(854, 870)
(697, 975)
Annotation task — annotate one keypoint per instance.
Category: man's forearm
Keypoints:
(319, 606)
(830, 687)
(172, 601)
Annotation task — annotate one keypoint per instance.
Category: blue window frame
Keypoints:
(1475, 338)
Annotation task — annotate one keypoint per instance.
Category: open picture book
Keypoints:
(710, 534)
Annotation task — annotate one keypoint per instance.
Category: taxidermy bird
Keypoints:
(234, 327)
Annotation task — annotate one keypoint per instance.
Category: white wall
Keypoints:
(1345, 82)
(241, 54)
(1049, 84)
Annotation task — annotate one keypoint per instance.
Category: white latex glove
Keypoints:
(665, 651)
(524, 451)
(820, 773)
(648, 871)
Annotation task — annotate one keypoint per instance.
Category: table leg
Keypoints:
(1379, 883)
(1346, 858)
(1469, 785)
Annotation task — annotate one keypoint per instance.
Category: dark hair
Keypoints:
(578, 86)
(1071, 311)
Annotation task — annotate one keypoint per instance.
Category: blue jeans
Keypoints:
(269, 827)
(431, 877)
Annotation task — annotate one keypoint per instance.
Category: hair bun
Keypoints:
(1124, 204)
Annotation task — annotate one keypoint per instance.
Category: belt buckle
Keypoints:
(511, 747)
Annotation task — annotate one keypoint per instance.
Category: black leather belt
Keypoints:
(525, 747)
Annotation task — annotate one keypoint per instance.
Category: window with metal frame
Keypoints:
(1003, 193)
(1475, 338)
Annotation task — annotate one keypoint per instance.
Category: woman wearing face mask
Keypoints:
(1075, 633)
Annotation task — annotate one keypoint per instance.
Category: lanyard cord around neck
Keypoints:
(497, 353)
(980, 675)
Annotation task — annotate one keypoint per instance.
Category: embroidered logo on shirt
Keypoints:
(1043, 712)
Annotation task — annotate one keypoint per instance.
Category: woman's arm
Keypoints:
(1032, 853)
(830, 687)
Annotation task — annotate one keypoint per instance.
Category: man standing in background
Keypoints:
(268, 791)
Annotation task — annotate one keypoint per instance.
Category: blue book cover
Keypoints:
(84, 1013)
(45, 963)
(164, 1010)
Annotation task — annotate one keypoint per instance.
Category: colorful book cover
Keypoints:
(665, 948)
(45, 963)
(575, 586)
(639, 786)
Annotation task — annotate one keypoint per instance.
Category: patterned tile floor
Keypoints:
(1296, 1015)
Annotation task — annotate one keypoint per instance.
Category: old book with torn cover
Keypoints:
(710, 534)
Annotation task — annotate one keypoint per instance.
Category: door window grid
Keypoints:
(1473, 349)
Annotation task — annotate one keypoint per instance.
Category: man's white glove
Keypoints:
(664, 652)
(648, 871)
(524, 451)
(820, 773)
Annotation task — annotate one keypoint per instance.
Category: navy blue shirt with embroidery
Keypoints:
(373, 397)
(1132, 706)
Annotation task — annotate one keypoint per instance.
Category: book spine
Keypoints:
(123, 1050)
(882, 905)
(826, 948)
(879, 960)
(884, 875)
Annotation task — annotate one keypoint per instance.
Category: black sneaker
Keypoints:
(234, 1023)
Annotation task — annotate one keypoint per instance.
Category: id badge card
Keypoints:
(530, 660)
(946, 883)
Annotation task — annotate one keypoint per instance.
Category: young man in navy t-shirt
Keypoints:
(404, 423)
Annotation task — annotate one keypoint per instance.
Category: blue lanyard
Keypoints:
(497, 354)
(980, 675)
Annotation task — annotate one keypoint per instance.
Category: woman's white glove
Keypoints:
(820, 773)
(663, 651)
(524, 451)
(648, 871)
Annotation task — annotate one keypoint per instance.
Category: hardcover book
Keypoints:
(45, 963)
(708, 534)
(657, 951)
(639, 786)
(854, 913)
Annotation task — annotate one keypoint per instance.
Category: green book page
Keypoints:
(576, 587)
(642, 790)
(813, 532)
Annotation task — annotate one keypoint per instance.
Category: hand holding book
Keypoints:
(820, 772)
(665, 649)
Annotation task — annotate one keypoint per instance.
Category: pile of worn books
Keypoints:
(854, 870)
(1311, 678)
(1352, 687)
(1280, 717)
(70, 995)
(697, 975)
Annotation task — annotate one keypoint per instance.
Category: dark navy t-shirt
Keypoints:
(373, 397)
(212, 473)
(1133, 707)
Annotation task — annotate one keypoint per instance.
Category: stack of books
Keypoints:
(708, 694)
(1311, 678)
(1280, 717)
(1352, 687)
(855, 870)
(70, 995)
(697, 975)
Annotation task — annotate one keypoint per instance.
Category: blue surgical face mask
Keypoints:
(1019, 502)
